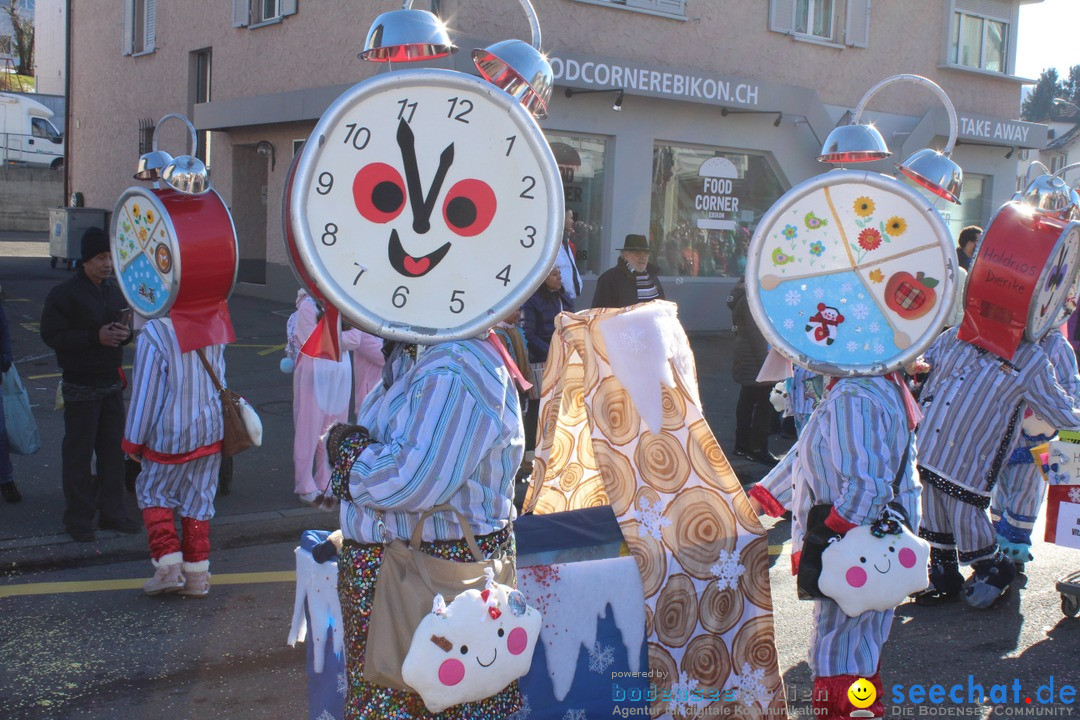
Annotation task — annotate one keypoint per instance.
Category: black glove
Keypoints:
(336, 435)
(5, 365)
(818, 537)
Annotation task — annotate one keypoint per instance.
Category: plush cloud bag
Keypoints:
(868, 569)
(473, 647)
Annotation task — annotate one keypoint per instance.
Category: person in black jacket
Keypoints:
(85, 321)
(633, 279)
(538, 323)
(754, 412)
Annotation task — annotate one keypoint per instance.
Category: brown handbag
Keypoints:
(405, 588)
(237, 438)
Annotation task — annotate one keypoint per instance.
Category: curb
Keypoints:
(55, 552)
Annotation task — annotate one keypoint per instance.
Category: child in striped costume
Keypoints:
(175, 429)
(972, 404)
(1017, 498)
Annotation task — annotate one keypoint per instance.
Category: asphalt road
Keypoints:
(79, 640)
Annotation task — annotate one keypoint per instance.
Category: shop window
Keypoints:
(140, 26)
(664, 8)
(582, 162)
(706, 203)
(256, 13)
(980, 34)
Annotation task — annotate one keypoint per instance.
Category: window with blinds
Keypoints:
(980, 34)
(663, 8)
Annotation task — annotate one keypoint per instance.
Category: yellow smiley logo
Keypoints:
(862, 693)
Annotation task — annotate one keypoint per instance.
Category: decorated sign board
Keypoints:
(851, 272)
(426, 205)
(717, 201)
(1063, 501)
(175, 255)
(1024, 269)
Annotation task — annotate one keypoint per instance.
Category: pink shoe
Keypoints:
(196, 579)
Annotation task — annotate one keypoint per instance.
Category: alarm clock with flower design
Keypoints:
(427, 205)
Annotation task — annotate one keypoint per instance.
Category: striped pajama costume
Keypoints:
(848, 455)
(447, 430)
(971, 403)
(175, 425)
(1017, 497)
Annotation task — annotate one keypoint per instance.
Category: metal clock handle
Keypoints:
(534, 22)
(177, 116)
(925, 82)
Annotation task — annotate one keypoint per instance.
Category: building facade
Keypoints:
(646, 92)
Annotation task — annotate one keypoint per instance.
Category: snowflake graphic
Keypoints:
(523, 712)
(819, 293)
(325, 715)
(749, 687)
(860, 311)
(651, 518)
(879, 349)
(727, 570)
(342, 684)
(874, 327)
(601, 658)
(789, 323)
(1074, 495)
(575, 714)
(792, 297)
(852, 346)
(845, 288)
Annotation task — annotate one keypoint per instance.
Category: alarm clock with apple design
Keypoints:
(426, 205)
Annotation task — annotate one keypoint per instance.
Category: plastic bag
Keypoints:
(22, 429)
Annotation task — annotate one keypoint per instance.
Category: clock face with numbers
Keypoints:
(1055, 282)
(426, 205)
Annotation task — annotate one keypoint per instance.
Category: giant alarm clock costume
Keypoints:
(1024, 267)
(425, 206)
(851, 275)
(175, 254)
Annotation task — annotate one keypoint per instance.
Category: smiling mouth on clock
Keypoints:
(410, 266)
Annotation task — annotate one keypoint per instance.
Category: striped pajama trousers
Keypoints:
(950, 524)
(843, 645)
(188, 488)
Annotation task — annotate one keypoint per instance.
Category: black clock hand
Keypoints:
(407, 143)
(445, 160)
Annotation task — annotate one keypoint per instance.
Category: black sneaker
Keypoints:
(10, 493)
(765, 458)
(124, 525)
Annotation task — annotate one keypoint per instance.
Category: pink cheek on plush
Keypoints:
(907, 557)
(856, 577)
(517, 641)
(451, 672)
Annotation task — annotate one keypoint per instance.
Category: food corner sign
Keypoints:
(716, 201)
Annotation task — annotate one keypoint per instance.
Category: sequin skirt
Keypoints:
(358, 568)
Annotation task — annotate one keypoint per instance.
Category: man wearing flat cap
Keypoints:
(633, 279)
(84, 322)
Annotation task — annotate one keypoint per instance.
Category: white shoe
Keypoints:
(310, 498)
(167, 579)
(196, 584)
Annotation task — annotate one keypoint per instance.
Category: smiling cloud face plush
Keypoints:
(862, 572)
(472, 648)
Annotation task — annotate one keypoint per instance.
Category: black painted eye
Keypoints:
(464, 649)
(379, 192)
(892, 549)
(862, 560)
(501, 632)
(469, 207)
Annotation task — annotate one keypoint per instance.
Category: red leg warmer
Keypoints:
(831, 701)
(196, 544)
(160, 531)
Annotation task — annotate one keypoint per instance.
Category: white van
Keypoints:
(27, 136)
